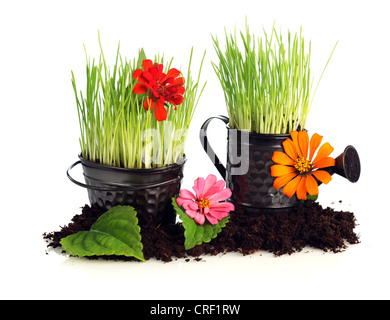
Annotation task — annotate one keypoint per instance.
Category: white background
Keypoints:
(42, 41)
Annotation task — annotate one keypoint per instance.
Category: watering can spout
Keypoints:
(347, 165)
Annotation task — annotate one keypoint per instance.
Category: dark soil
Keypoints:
(279, 233)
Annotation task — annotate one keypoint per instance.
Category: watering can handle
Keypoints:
(206, 146)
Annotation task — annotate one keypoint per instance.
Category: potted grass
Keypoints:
(268, 89)
(134, 120)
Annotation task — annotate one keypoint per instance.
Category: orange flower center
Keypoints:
(204, 203)
(303, 165)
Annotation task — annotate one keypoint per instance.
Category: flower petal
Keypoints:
(179, 81)
(311, 185)
(155, 93)
(137, 73)
(147, 64)
(291, 187)
(186, 194)
(303, 140)
(199, 187)
(218, 214)
(194, 206)
(160, 68)
(187, 205)
(223, 206)
(199, 218)
(182, 202)
(323, 176)
(175, 99)
(315, 142)
(140, 88)
(147, 75)
(282, 180)
(302, 190)
(278, 170)
(290, 148)
(217, 187)
(295, 140)
(174, 73)
(191, 213)
(209, 182)
(325, 150)
(160, 112)
(180, 90)
(282, 158)
(153, 71)
(323, 163)
(211, 219)
(167, 81)
(222, 196)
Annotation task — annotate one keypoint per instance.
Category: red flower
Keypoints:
(159, 87)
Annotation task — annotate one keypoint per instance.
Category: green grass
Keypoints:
(268, 86)
(116, 130)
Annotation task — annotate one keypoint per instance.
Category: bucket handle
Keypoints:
(119, 186)
(206, 146)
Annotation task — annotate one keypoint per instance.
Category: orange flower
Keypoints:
(294, 169)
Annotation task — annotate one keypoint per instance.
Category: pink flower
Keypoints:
(205, 203)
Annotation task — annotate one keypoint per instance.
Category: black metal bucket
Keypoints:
(248, 173)
(149, 191)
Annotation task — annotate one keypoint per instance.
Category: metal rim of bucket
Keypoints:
(115, 186)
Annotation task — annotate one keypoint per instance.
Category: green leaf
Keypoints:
(116, 232)
(196, 234)
(310, 197)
